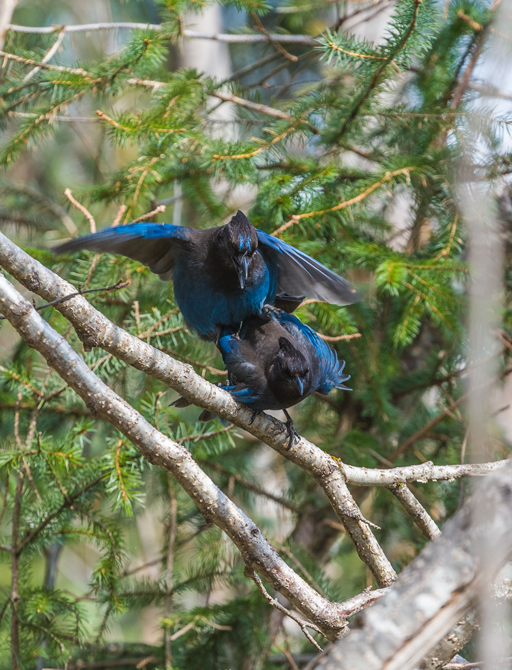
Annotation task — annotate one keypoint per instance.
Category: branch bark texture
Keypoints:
(435, 591)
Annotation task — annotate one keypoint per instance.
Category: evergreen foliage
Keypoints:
(354, 157)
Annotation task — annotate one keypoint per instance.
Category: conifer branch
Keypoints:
(354, 54)
(275, 43)
(43, 66)
(378, 73)
(347, 203)
(257, 151)
(401, 449)
(55, 118)
(104, 117)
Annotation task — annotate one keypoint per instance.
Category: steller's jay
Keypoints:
(221, 275)
(276, 362)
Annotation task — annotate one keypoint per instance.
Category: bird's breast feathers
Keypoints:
(205, 303)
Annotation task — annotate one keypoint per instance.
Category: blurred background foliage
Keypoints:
(360, 131)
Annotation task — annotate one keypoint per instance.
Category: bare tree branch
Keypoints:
(452, 643)
(302, 40)
(423, 472)
(278, 606)
(6, 10)
(255, 106)
(416, 510)
(432, 594)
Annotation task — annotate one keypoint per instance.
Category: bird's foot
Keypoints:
(292, 433)
(270, 311)
(254, 415)
(222, 332)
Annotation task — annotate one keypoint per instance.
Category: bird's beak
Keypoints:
(299, 384)
(242, 268)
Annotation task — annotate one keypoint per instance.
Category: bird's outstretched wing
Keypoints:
(331, 368)
(151, 244)
(300, 274)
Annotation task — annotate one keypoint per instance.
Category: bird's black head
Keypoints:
(237, 241)
(290, 371)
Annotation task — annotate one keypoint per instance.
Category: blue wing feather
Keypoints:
(151, 244)
(299, 274)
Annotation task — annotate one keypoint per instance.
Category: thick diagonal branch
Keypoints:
(157, 448)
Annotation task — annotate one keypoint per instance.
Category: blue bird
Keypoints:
(221, 275)
(276, 362)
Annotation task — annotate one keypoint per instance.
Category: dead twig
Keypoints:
(82, 209)
(145, 217)
(105, 289)
(303, 624)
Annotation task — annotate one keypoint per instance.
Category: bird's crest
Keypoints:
(241, 234)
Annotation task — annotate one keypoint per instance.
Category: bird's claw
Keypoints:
(292, 433)
(270, 311)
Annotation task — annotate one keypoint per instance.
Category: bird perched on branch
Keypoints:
(221, 275)
(276, 362)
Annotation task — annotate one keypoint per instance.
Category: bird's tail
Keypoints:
(205, 415)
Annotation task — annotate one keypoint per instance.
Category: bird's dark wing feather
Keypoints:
(288, 303)
(331, 368)
(234, 359)
(300, 274)
(151, 244)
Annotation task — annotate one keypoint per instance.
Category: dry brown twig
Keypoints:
(263, 31)
(82, 209)
(122, 209)
(149, 215)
